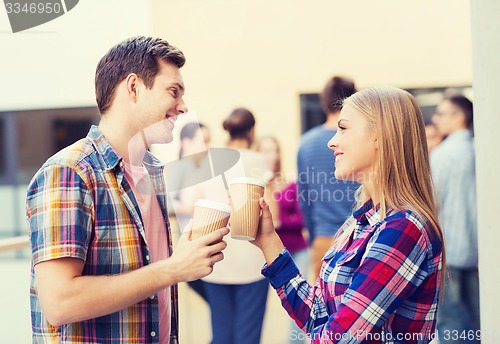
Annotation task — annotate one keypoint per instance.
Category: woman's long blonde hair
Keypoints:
(402, 165)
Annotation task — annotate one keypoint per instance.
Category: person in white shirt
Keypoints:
(454, 174)
(236, 289)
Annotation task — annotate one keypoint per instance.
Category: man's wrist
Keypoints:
(166, 273)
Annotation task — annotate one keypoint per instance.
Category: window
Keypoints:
(27, 140)
(311, 111)
(42, 133)
(427, 98)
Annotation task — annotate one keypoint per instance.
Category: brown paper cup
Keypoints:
(245, 194)
(209, 216)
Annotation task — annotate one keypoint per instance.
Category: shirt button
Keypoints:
(153, 333)
(147, 257)
(152, 297)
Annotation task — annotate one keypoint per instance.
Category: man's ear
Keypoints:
(131, 82)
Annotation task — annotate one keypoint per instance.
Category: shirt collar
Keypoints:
(111, 158)
(368, 213)
(102, 146)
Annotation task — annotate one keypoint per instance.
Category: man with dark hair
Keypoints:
(325, 201)
(454, 174)
(103, 270)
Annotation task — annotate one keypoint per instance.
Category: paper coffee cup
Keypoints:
(209, 216)
(245, 194)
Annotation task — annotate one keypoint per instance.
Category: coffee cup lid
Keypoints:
(213, 205)
(248, 180)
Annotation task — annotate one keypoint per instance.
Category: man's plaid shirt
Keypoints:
(80, 205)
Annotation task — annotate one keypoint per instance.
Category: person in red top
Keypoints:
(282, 195)
(288, 220)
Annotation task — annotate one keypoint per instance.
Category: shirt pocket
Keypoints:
(347, 258)
(342, 268)
(330, 254)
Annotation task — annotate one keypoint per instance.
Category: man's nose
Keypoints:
(182, 108)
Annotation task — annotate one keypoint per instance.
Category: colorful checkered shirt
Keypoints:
(381, 287)
(80, 205)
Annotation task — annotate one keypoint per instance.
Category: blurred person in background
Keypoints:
(236, 290)
(454, 173)
(433, 136)
(103, 269)
(287, 216)
(325, 201)
(186, 178)
(189, 171)
(381, 278)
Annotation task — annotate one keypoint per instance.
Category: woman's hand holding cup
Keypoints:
(267, 239)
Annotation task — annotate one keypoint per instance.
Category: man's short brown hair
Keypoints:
(336, 90)
(137, 55)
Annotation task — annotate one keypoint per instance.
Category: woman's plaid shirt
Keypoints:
(381, 287)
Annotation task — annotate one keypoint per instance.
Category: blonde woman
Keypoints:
(380, 280)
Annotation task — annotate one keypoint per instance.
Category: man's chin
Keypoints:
(167, 139)
(161, 141)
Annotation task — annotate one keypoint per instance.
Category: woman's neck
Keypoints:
(371, 190)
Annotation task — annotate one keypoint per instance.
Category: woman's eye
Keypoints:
(341, 128)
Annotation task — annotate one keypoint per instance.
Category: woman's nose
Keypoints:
(333, 143)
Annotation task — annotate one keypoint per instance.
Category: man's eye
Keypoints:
(174, 92)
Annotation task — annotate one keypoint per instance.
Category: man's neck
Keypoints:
(458, 130)
(130, 146)
(331, 120)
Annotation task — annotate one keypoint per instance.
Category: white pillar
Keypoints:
(485, 15)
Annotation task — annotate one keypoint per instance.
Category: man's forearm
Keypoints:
(86, 297)
(66, 296)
